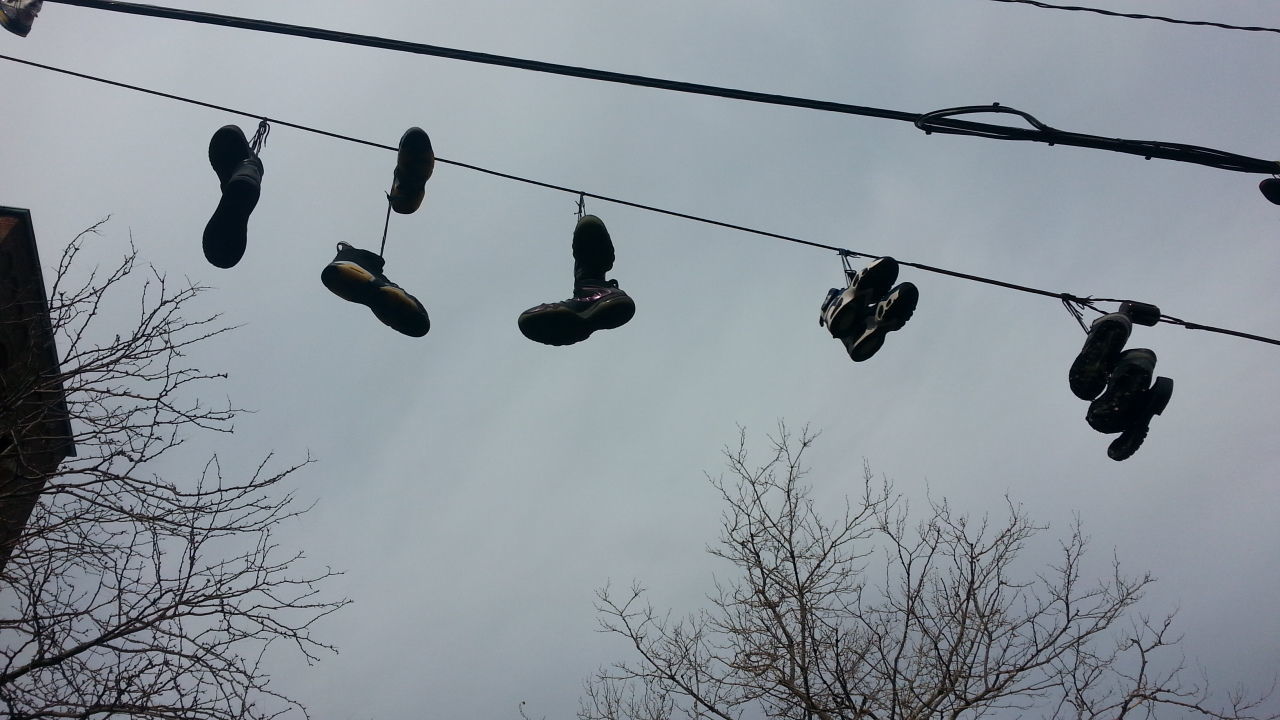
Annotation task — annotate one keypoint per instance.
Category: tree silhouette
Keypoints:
(134, 589)
(871, 616)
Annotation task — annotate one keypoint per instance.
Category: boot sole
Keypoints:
(1123, 447)
(1127, 382)
(561, 326)
(394, 307)
(226, 235)
(1088, 373)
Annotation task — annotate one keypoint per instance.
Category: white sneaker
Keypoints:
(842, 312)
(17, 15)
(886, 316)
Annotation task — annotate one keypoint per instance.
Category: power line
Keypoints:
(1067, 298)
(1131, 16)
(942, 121)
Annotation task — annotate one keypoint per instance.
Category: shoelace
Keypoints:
(260, 137)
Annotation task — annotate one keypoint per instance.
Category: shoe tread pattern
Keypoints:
(560, 324)
(890, 315)
(1088, 374)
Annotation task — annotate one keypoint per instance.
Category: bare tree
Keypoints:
(132, 591)
(873, 617)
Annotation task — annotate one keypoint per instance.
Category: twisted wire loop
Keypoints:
(944, 122)
(928, 122)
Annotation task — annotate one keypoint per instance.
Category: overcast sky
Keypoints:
(477, 487)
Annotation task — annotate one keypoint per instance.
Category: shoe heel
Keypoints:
(897, 309)
(593, 252)
(876, 280)
(556, 326)
(613, 315)
(415, 159)
(1161, 393)
(226, 234)
(398, 310)
(845, 318)
(348, 281)
(863, 350)
(1140, 313)
(1091, 368)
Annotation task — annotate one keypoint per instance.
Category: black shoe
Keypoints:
(1153, 403)
(240, 175)
(18, 20)
(602, 307)
(1089, 371)
(845, 312)
(593, 253)
(1123, 400)
(414, 164)
(884, 317)
(356, 275)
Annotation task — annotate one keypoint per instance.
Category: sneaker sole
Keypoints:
(876, 281)
(15, 26)
(394, 307)
(398, 310)
(1088, 373)
(1161, 394)
(415, 162)
(561, 326)
(348, 281)
(226, 235)
(896, 315)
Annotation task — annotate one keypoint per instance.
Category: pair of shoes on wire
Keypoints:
(869, 308)
(356, 275)
(239, 173)
(1118, 382)
(597, 303)
(17, 15)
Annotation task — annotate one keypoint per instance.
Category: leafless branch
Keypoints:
(131, 593)
(946, 626)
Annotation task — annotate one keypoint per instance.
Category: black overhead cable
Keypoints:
(939, 121)
(1134, 16)
(1072, 302)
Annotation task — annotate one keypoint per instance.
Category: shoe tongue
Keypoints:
(368, 258)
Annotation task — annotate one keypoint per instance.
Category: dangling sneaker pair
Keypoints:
(597, 304)
(17, 15)
(1130, 400)
(356, 275)
(869, 308)
(240, 176)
